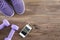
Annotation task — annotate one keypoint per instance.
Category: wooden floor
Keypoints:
(42, 15)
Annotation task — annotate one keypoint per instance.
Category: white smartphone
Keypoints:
(25, 30)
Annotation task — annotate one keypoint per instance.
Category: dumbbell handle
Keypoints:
(2, 26)
(11, 33)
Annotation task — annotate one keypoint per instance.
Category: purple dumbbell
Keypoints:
(14, 28)
(4, 24)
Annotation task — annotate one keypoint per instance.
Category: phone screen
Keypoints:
(25, 30)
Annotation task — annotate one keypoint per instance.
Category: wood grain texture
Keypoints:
(44, 17)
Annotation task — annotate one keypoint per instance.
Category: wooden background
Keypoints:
(42, 15)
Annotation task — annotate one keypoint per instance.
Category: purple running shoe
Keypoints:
(19, 6)
(6, 9)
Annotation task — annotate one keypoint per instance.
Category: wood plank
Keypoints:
(42, 15)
